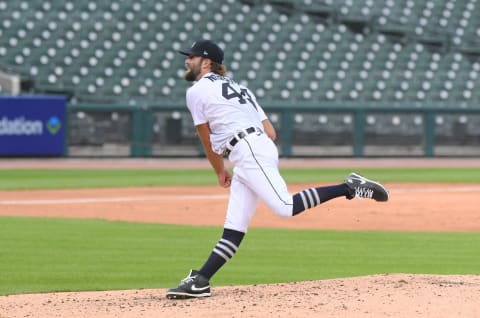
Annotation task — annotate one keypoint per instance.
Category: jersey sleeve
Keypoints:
(195, 105)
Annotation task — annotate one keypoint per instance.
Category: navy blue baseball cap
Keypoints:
(205, 48)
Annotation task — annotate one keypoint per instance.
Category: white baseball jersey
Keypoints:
(227, 106)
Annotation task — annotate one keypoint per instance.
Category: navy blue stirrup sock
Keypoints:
(222, 252)
(309, 198)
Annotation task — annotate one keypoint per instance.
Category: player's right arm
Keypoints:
(216, 160)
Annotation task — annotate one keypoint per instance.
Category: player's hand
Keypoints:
(225, 179)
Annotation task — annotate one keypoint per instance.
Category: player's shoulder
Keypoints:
(198, 86)
(206, 80)
(209, 81)
(214, 79)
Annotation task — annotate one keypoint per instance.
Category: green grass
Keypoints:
(97, 178)
(41, 255)
(85, 178)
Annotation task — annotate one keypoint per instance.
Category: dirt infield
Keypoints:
(413, 207)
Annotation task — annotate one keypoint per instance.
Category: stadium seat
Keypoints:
(286, 50)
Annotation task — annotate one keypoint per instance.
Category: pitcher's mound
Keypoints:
(392, 295)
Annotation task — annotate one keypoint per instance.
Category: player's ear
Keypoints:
(206, 63)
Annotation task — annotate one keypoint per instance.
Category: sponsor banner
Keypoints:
(32, 125)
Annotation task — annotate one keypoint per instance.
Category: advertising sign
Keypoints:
(31, 126)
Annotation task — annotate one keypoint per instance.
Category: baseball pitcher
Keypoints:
(231, 124)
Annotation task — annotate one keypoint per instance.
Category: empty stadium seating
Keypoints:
(366, 51)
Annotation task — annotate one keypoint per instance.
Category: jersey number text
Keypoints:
(243, 96)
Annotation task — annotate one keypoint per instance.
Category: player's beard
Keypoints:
(192, 72)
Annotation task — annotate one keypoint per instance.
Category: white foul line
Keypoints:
(115, 199)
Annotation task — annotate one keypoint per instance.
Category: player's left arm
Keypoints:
(269, 129)
(267, 124)
(216, 160)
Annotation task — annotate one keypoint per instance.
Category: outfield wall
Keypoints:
(320, 130)
(48, 126)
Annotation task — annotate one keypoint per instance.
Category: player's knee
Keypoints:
(282, 210)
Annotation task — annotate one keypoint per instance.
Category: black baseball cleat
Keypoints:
(361, 187)
(192, 286)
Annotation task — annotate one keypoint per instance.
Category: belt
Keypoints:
(239, 136)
